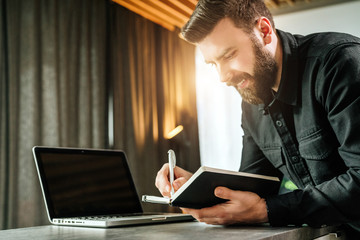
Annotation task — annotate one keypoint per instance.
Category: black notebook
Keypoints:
(198, 191)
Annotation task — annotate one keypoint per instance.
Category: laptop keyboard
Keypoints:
(109, 217)
(99, 218)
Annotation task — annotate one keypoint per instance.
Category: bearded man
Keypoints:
(300, 116)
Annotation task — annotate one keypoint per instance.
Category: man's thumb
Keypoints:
(223, 192)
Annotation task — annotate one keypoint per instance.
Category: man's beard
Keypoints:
(259, 89)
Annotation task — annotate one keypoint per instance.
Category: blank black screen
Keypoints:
(85, 183)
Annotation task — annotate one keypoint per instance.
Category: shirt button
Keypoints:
(295, 158)
(279, 123)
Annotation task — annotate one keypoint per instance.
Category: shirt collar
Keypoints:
(287, 92)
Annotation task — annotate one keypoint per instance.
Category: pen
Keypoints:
(172, 163)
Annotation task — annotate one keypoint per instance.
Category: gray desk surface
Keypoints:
(172, 231)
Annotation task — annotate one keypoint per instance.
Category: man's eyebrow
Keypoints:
(221, 55)
(224, 53)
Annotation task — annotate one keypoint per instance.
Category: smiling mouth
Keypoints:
(234, 84)
(242, 84)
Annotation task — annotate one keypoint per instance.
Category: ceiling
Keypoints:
(173, 14)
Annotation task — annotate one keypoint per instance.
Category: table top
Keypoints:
(174, 231)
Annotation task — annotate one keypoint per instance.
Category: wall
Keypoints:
(219, 116)
(336, 18)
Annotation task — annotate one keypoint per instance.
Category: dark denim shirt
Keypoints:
(310, 132)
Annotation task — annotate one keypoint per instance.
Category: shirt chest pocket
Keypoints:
(321, 157)
(316, 146)
(274, 155)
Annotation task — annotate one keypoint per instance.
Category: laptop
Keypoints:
(92, 188)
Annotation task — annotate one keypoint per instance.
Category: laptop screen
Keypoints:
(80, 182)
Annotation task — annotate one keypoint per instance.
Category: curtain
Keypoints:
(88, 73)
(53, 93)
(153, 74)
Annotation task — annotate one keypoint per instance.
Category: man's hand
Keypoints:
(162, 179)
(242, 207)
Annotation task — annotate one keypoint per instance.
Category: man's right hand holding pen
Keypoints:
(162, 179)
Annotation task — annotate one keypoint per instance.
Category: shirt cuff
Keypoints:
(281, 210)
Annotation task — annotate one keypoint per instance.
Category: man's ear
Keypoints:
(265, 28)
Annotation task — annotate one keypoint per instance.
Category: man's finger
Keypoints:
(224, 193)
(179, 172)
(204, 213)
(178, 183)
(162, 181)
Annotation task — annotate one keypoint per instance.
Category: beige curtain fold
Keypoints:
(62, 63)
(53, 92)
(156, 95)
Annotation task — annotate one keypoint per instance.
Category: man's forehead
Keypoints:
(224, 36)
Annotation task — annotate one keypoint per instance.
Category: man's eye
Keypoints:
(229, 56)
(212, 64)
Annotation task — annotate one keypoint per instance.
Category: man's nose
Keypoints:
(225, 76)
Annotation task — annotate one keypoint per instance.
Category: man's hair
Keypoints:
(244, 14)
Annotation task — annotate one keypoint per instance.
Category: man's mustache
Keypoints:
(236, 79)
